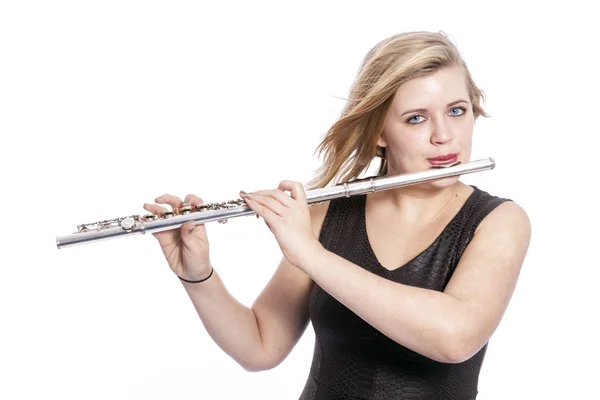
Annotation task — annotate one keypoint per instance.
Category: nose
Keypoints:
(442, 132)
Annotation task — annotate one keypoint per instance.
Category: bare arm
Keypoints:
(229, 323)
(447, 326)
(260, 337)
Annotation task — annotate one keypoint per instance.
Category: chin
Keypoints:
(444, 182)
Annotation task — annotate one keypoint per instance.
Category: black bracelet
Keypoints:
(201, 280)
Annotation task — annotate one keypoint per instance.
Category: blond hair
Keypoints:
(350, 145)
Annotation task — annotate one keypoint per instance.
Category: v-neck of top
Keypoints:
(420, 254)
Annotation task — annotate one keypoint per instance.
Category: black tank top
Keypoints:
(353, 360)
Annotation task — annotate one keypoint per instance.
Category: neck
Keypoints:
(419, 203)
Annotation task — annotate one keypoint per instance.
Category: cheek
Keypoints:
(404, 142)
(465, 136)
(419, 139)
(465, 130)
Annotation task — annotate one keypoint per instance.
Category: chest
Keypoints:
(395, 242)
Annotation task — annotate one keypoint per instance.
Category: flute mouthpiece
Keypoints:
(444, 166)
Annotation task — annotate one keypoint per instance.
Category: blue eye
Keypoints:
(415, 122)
(462, 111)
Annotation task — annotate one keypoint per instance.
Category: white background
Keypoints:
(107, 105)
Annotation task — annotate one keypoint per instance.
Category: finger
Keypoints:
(296, 189)
(173, 201)
(276, 194)
(196, 228)
(270, 203)
(192, 199)
(262, 211)
(187, 229)
(155, 209)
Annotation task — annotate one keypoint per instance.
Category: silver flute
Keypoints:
(221, 212)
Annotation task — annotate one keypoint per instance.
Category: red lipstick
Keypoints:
(445, 159)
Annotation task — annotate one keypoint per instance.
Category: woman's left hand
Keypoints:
(288, 218)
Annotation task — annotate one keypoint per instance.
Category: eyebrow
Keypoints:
(422, 109)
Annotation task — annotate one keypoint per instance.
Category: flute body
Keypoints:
(150, 223)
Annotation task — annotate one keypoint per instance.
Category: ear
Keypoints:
(381, 142)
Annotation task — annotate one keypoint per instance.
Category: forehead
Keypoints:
(437, 89)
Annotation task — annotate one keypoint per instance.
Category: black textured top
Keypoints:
(353, 360)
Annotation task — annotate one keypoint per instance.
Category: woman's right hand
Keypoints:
(186, 248)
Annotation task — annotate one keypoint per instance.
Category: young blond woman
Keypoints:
(403, 287)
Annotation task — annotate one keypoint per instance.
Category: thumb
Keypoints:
(191, 232)
(187, 231)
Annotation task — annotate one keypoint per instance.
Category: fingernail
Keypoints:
(186, 201)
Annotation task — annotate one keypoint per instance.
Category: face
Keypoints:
(431, 116)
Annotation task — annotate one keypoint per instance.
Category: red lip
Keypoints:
(443, 159)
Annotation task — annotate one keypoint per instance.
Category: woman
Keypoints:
(404, 287)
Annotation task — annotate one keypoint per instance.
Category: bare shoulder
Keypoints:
(508, 217)
(486, 275)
